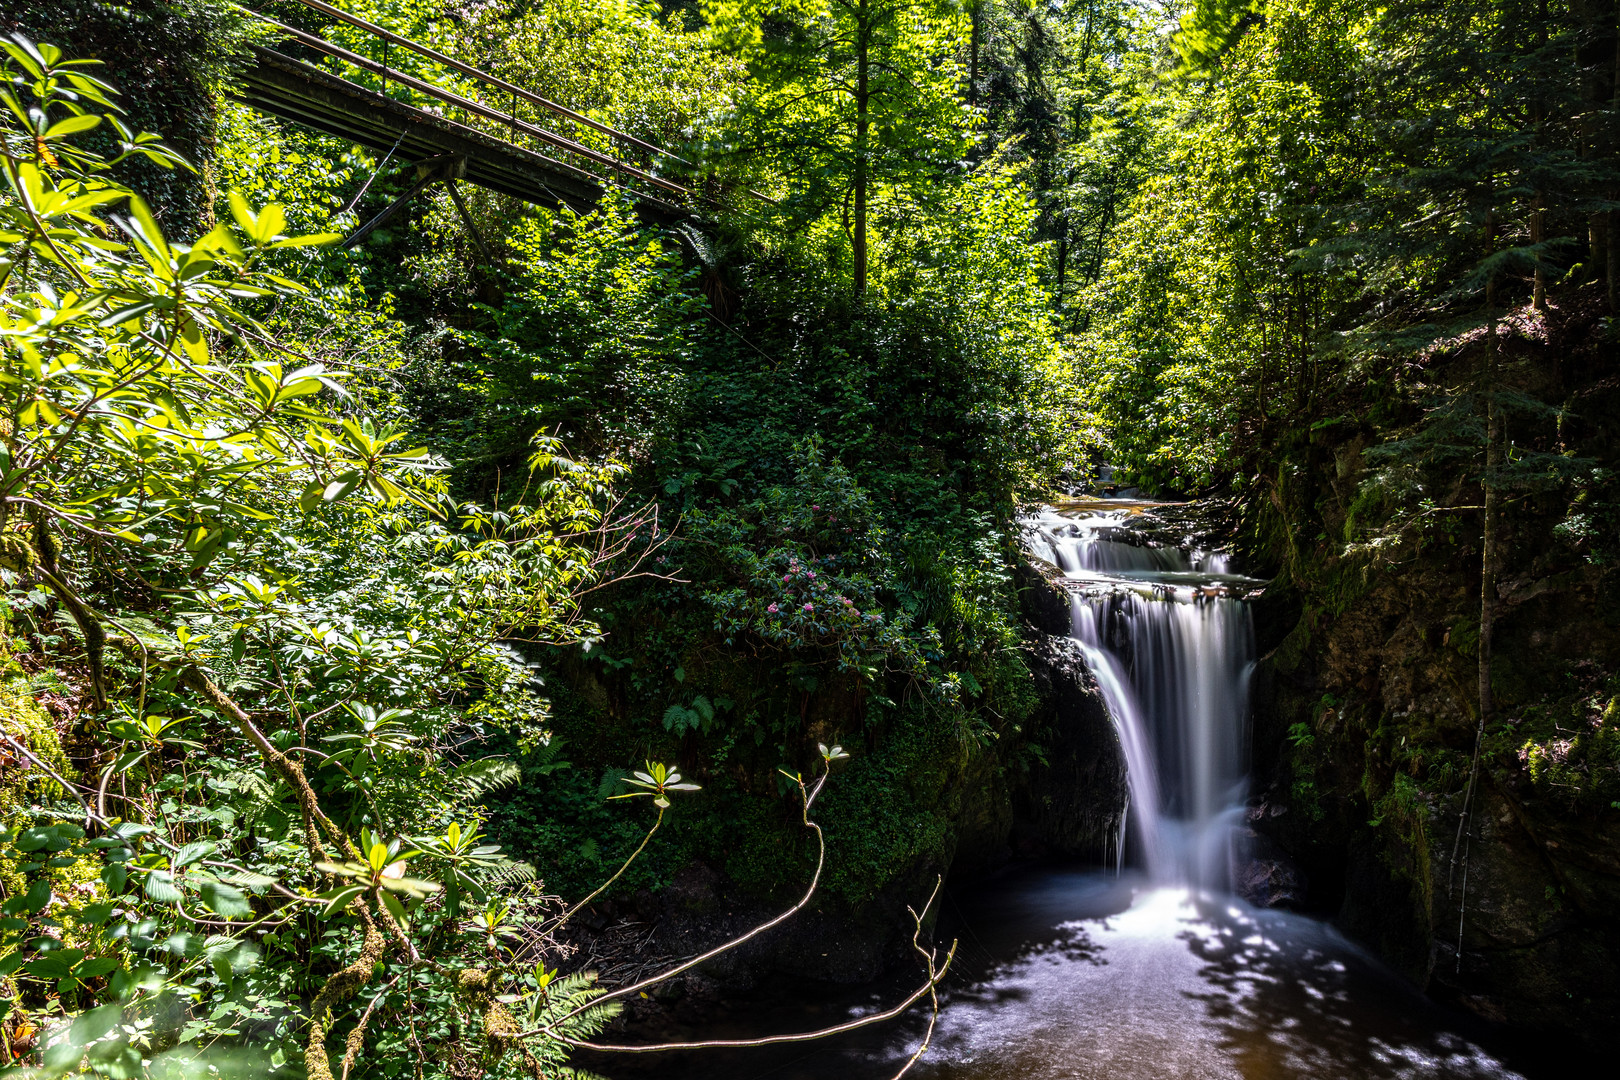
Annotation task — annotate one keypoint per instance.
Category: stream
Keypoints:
(1151, 967)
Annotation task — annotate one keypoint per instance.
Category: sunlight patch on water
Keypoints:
(1184, 985)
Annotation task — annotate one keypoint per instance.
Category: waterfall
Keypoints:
(1171, 650)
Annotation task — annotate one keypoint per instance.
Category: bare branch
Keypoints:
(809, 796)
(565, 916)
(929, 988)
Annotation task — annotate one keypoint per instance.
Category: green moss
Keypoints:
(23, 720)
(891, 811)
(1405, 809)
(1307, 799)
(1583, 766)
(1293, 649)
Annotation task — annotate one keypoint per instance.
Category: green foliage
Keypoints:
(561, 821)
(1403, 805)
(169, 60)
(630, 65)
(889, 814)
(834, 484)
(842, 98)
(124, 416)
(1211, 27)
(1333, 197)
(1307, 798)
(802, 577)
(292, 641)
(1591, 523)
(585, 343)
(1067, 94)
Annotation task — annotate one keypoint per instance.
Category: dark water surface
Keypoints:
(1079, 975)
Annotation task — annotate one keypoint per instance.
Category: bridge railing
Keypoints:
(479, 111)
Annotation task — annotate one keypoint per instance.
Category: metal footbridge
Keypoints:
(486, 131)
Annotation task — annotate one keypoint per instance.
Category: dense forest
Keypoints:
(410, 586)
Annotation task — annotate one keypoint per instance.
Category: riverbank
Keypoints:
(1072, 972)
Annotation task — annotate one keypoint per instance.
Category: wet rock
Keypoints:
(1073, 790)
(1270, 883)
(1537, 915)
(1343, 701)
(1044, 598)
(1265, 876)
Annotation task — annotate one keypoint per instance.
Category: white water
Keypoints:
(1067, 974)
(1171, 651)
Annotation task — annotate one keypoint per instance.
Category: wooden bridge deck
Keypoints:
(493, 156)
(305, 94)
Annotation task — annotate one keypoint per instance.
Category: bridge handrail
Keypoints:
(484, 76)
(449, 97)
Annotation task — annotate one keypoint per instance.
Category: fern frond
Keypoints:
(510, 873)
(568, 994)
(479, 778)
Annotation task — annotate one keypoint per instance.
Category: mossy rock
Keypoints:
(22, 719)
(27, 723)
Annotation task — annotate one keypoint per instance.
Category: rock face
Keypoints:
(1539, 941)
(1268, 877)
(1074, 794)
(1483, 861)
(1364, 741)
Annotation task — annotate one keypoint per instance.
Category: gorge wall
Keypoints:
(1366, 713)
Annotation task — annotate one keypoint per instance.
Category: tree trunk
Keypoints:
(1492, 539)
(1609, 264)
(1062, 264)
(863, 122)
(1490, 482)
(973, 53)
(1538, 234)
(1609, 269)
(1586, 133)
(1538, 212)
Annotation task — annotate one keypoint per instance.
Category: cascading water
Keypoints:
(1171, 649)
(1069, 972)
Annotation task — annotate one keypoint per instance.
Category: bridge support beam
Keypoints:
(449, 169)
(425, 175)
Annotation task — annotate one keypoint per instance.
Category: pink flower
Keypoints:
(815, 506)
(786, 578)
(809, 607)
(848, 602)
(812, 575)
(771, 609)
